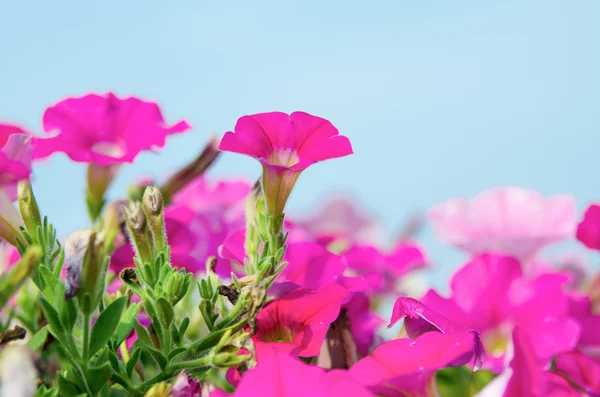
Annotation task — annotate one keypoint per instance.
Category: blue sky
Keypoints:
(439, 98)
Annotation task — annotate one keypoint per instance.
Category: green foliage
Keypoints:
(461, 381)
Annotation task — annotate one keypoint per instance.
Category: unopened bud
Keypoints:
(193, 170)
(112, 224)
(30, 212)
(92, 273)
(18, 274)
(10, 220)
(139, 235)
(76, 246)
(152, 205)
(177, 285)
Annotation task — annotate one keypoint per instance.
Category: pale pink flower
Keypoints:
(285, 145)
(506, 220)
(104, 129)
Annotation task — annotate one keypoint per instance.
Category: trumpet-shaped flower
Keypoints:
(420, 319)
(15, 156)
(491, 295)
(285, 145)
(297, 323)
(506, 220)
(279, 375)
(405, 367)
(104, 129)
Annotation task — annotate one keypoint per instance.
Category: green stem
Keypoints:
(199, 362)
(86, 339)
(232, 315)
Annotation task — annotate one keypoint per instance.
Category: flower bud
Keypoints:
(177, 285)
(92, 274)
(112, 224)
(193, 170)
(159, 390)
(30, 213)
(10, 220)
(76, 246)
(139, 235)
(185, 386)
(17, 372)
(152, 205)
(99, 179)
(18, 274)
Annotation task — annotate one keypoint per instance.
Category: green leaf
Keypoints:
(143, 339)
(183, 328)
(160, 358)
(98, 377)
(176, 352)
(461, 381)
(106, 324)
(166, 312)
(37, 341)
(135, 356)
(68, 313)
(57, 327)
(125, 325)
(67, 388)
(49, 282)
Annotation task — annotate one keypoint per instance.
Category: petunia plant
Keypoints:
(196, 285)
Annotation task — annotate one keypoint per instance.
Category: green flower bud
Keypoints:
(93, 272)
(18, 274)
(139, 235)
(99, 179)
(30, 212)
(152, 205)
(177, 285)
(10, 221)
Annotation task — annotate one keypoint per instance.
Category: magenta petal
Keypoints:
(233, 247)
(383, 372)
(279, 375)
(312, 266)
(582, 370)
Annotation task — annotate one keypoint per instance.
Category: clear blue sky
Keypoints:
(440, 98)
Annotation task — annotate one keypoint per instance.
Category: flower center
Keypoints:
(109, 149)
(279, 334)
(284, 157)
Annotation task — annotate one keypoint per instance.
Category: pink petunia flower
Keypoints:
(285, 145)
(419, 319)
(584, 371)
(491, 295)
(383, 269)
(341, 219)
(279, 375)
(588, 230)
(104, 129)
(363, 322)
(15, 156)
(580, 308)
(297, 323)
(527, 375)
(405, 367)
(506, 220)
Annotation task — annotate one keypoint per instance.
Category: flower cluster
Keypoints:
(201, 286)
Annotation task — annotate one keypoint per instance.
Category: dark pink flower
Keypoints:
(383, 269)
(104, 129)
(405, 367)
(580, 308)
(285, 145)
(506, 220)
(15, 156)
(297, 323)
(529, 376)
(588, 230)
(419, 319)
(363, 322)
(584, 371)
(491, 295)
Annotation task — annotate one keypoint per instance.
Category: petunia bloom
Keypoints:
(588, 230)
(285, 145)
(582, 370)
(296, 324)
(405, 367)
(104, 129)
(491, 295)
(505, 220)
(419, 319)
(279, 375)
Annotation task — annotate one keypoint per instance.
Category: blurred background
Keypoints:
(439, 98)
